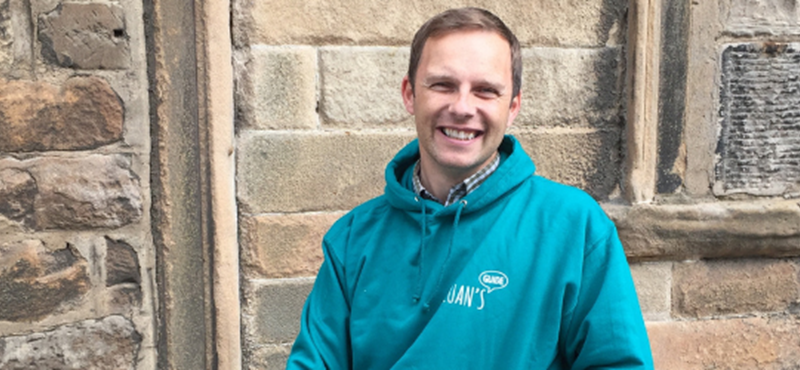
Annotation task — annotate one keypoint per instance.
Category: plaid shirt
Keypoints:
(461, 189)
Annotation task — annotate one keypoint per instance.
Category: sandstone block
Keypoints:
(84, 113)
(124, 299)
(35, 282)
(752, 343)
(122, 263)
(709, 230)
(272, 357)
(759, 17)
(109, 343)
(585, 159)
(300, 172)
(282, 246)
(361, 86)
(273, 310)
(593, 23)
(571, 87)
(653, 287)
(723, 287)
(17, 193)
(85, 36)
(93, 191)
(279, 88)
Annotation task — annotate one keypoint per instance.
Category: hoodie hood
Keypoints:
(515, 167)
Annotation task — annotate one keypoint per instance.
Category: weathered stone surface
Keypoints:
(272, 310)
(85, 36)
(124, 299)
(299, 172)
(272, 357)
(585, 159)
(89, 192)
(17, 193)
(653, 287)
(752, 343)
(35, 282)
(760, 17)
(6, 35)
(278, 90)
(571, 87)
(84, 113)
(109, 343)
(122, 263)
(710, 230)
(759, 144)
(723, 287)
(593, 23)
(361, 86)
(281, 246)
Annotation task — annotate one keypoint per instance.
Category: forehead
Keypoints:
(467, 52)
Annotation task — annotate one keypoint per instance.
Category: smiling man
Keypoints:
(470, 260)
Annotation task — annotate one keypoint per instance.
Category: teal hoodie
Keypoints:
(522, 273)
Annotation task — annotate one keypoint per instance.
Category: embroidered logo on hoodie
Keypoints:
(465, 295)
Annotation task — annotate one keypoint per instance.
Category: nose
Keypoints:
(463, 106)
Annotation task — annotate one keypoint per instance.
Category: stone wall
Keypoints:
(713, 252)
(76, 257)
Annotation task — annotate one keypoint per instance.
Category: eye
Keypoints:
(487, 92)
(441, 86)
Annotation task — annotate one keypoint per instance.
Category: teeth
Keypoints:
(460, 135)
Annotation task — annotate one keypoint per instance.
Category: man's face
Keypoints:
(462, 100)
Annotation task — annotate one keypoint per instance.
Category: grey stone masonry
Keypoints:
(109, 343)
(759, 143)
(85, 36)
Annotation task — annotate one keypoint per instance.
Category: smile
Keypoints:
(459, 135)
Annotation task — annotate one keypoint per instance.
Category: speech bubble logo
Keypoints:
(493, 280)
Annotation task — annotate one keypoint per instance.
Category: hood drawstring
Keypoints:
(461, 205)
(421, 256)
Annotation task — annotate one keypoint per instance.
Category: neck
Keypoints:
(438, 181)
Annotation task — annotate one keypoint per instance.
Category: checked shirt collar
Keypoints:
(461, 189)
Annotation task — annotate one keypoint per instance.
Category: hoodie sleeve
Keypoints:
(324, 340)
(605, 330)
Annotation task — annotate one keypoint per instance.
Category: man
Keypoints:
(469, 260)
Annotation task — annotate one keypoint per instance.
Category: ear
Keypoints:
(408, 95)
(513, 110)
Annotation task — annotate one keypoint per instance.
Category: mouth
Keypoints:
(462, 135)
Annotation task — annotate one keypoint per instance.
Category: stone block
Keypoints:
(282, 246)
(301, 172)
(269, 357)
(124, 299)
(760, 17)
(108, 343)
(278, 90)
(17, 194)
(361, 86)
(36, 282)
(585, 159)
(6, 35)
(571, 87)
(85, 36)
(272, 310)
(122, 263)
(759, 145)
(723, 287)
(83, 113)
(593, 23)
(709, 230)
(751, 343)
(80, 193)
(653, 286)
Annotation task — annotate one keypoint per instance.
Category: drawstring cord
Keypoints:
(461, 205)
(418, 290)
